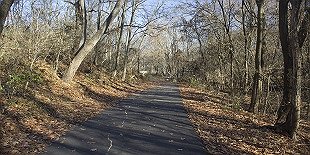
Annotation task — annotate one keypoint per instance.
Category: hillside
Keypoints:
(33, 117)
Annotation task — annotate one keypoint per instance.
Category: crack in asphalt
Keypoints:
(111, 143)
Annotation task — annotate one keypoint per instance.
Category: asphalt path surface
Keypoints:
(152, 122)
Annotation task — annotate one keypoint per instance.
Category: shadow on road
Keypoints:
(152, 122)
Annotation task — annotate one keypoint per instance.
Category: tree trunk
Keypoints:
(99, 14)
(308, 109)
(138, 64)
(267, 94)
(119, 40)
(245, 47)
(227, 26)
(292, 42)
(4, 10)
(200, 46)
(128, 40)
(138, 55)
(83, 22)
(80, 25)
(231, 53)
(248, 30)
(91, 43)
(257, 80)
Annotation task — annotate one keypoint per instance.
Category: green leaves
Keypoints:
(19, 82)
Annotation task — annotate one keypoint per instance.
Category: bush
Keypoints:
(236, 103)
(194, 82)
(18, 83)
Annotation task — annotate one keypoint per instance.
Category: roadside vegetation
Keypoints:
(226, 127)
(38, 108)
(247, 63)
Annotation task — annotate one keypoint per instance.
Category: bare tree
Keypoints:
(248, 29)
(292, 38)
(122, 23)
(80, 23)
(129, 38)
(5, 6)
(227, 26)
(257, 80)
(91, 43)
(99, 14)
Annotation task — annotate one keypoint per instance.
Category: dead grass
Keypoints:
(32, 120)
(227, 130)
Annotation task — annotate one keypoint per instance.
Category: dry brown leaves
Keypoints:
(30, 122)
(225, 130)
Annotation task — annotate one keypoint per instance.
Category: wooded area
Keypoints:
(257, 52)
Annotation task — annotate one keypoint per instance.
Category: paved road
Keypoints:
(149, 123)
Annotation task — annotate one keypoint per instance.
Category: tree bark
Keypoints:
(139, 54)
(91, 43)
(99, 14)
(227, 26)
(119, 41)
(80, 24)
(83, 22)
(202, 54)
(292, 42)
(245, 47)
(308, 110)
(128, 40)
(4, 10)
(267, 94)
(248, 30)
(257, 80)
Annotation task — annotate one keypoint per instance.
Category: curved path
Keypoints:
(152, 122)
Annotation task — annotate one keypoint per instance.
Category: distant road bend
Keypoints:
(152, 122)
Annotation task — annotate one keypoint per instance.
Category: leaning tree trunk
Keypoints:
(4, 10)
(292, 40)
(91, 43)
(257, 80)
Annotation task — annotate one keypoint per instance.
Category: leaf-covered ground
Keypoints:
(32, 120)
(230, 130)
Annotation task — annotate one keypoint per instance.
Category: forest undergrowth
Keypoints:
(226, 129)
(37, 109)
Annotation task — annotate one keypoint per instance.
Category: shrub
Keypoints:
(194, 82)
(18, 83)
